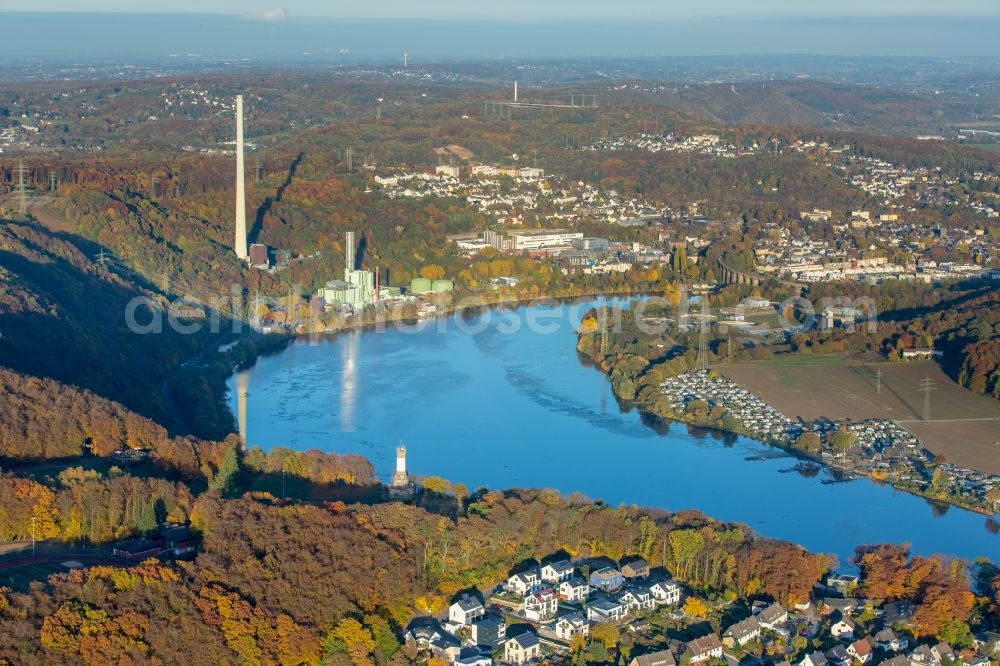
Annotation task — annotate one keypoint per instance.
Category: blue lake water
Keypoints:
(496, 407)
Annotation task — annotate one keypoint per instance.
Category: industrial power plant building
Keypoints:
(357, 289)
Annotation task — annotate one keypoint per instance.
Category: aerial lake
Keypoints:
(490, 402)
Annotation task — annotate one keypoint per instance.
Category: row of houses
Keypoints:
(555, 599)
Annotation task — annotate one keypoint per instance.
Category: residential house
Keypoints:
(426, 634)
(607, 579)
(638, 626)
(636, 599)
(773, 617)
(989, 643)
(843, 627)
(574, 624)
(742, 632)
(898, 660)
(524, 582)
(605, 610)
(704, 648)
(488, 631)
(466, 610)
(838, 656)
(636, 569)
(666, 592)
(842, 606)
(888, 641)
(556, 572)
(522, 648)
(942, 652)
(661, 658)
(574, 589)
(814, 659)
(842, 582)
(541, 605)
(861, 650)
(898, 612)
(474, 659)
(922, 656)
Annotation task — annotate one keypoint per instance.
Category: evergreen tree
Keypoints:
(227, 475)
(147, 519)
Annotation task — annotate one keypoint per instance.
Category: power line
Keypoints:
(926, 386)
(22, 190)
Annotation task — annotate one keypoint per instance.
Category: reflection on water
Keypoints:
(503, 410)
(242, 384)
(349, 379)
(938, 508)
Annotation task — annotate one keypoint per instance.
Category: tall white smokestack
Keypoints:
(241, 203)
(349, 258)
(515, 91)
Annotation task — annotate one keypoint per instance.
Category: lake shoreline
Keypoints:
(804, 456)
(529, 394)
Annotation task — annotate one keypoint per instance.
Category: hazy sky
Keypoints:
(533, 10)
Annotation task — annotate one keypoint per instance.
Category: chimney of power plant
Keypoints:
(515, 91)
(241, 204)
(349, 255)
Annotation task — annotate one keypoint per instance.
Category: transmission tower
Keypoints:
(926, 386)
(350, 158)
(52, 181)
(703, 338)
(152, 186)
(878, 381)
(22, 190)
(257, 172)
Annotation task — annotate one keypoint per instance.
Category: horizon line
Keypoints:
(291, 17)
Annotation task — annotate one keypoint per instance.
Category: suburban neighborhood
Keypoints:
(548, 613)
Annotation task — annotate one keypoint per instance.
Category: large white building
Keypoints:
(539, 239)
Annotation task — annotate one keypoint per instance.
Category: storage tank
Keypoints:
(420, 285)
(442, 285)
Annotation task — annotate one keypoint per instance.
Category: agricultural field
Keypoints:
(964, 427)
